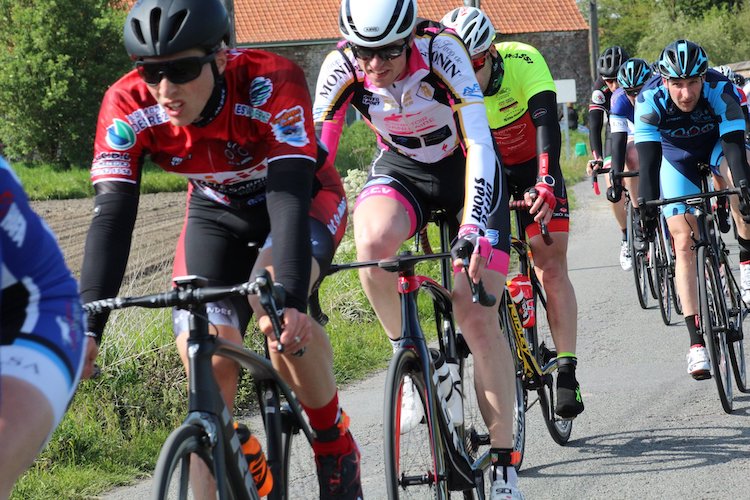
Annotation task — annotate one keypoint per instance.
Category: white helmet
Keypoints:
(473, 26)
(375, 23)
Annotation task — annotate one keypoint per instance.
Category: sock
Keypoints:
(330, 437)
(395, 343)
(696, 337)
(502, 459)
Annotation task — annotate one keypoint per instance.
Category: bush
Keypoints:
(356, 149)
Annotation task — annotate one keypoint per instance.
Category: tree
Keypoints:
(57, 59)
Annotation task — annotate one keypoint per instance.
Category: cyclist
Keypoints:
(607, 65)
(631, 77)
(237, 124)
(687, 116)
(414, 86)
(521, 103)
(42, 344)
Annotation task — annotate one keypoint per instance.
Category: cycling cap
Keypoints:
(683, 59)
(375, 23)
(166, 27)
(610, 61)
(634, 73)
(473, 26)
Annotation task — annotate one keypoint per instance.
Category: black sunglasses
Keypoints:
(176, 71)
(385, 53)
(633, 92)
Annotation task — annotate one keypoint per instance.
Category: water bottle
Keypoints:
(522, 295)
(448, 382)
(256, 460)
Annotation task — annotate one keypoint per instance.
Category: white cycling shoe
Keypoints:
(745, 282)
(699, 366)
(503, 491)
(412, 413)
(626, 260)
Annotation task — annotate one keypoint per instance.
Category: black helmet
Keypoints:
(683, 59)
(610, 62)
(166, 27)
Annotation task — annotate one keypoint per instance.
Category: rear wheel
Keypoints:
(662, 278)
(713, 325)
(739, 318)
(539, 338)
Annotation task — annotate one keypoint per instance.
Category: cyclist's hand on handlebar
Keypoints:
(592, 166)
(472, 244)
(297, 331)
(648, 217)
(90, 370)
(541, 199)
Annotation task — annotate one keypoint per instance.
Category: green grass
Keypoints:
(46, 182)
(116, 424)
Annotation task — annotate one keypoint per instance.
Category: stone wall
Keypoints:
(567, 55)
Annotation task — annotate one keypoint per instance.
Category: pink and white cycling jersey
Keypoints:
(440, 107)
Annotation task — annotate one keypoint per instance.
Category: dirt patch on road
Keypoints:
(160, 218)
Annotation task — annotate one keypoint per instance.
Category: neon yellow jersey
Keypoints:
(526, 74)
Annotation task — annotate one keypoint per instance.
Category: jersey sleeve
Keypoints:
(333, 92)
(647, 117)
(452, 65)
(618, 114)
(537, 77)
(118, 144)
(725, 101)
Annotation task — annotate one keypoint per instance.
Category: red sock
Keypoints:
(330, 424)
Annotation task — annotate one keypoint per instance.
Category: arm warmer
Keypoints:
(288, 195)
(649, 157)
(619, 146)
(542, 107)
(733, 144)
(107, 250)
(596, 123)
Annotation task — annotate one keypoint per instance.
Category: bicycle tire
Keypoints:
(740, 319)
(414, 461)
(640, 270)
(183, 443)
(671, 258)
(713, 319)
(519, 404)
(537, 336)
(653, 282)
(663, 288)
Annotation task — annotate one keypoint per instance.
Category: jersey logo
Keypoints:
(13, 223)
(597, 97)
(473, 91)
(260, 90)
(426, 91)
(289, 127)
(120, 135)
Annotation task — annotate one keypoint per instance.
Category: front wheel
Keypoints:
(662, 279)
(414, 461)
(739, 318)
(714, 324)
(640, 264)
(187, 447)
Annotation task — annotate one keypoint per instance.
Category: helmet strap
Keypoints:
(216, 101)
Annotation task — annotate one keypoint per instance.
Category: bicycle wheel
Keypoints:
(183, 447)
(664, 283)
(670, 256)
(539, 337)
(713, 325)
(739, 317)
(414, 461)
(640, 269)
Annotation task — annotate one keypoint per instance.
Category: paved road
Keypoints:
(649, 430)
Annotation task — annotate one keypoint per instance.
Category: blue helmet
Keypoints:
(633, 73)
(683, 59)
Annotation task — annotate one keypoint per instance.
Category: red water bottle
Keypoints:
(522, 294)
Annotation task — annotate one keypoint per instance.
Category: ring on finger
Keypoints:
(297, 339)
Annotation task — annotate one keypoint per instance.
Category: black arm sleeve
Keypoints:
(289, 192)
(649, 157)
(596, 123)
(543, 110)
(107, 250)
(619, 146)
(733, 145)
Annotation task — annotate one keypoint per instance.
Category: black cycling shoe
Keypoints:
(339, 475)
(723, 216)
(569, 401)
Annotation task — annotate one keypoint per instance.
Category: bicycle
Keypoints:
(436, 457)
(536, 363)
(722, 312)
(208, 431)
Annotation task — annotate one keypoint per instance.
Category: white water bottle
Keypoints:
(448, 382)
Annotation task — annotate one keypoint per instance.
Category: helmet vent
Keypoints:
(136, 27)
(177, 23)
(408, 19)
(154, 19)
